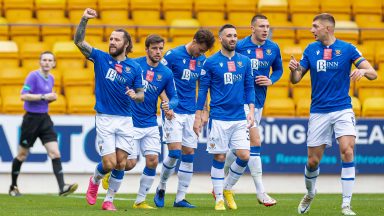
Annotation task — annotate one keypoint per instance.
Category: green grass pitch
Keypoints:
(50, 205)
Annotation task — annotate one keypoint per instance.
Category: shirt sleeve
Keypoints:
(170, 90)
(249, 88)
(95, 53)
(167, 59)
(356, 56)
(29, 85)
(277, 68)
(138, 81)
(205, 82)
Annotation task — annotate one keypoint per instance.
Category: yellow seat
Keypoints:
(76, 9)
(56, 30)
(59, 106)
(302, 89)
(240, 14)
(1, 105)
(282, 30)
(371, 88)
(78, 90)
(145, 11)
(10, 90)
(138, 50)
(12, 104)
(58, 80)
(183, 29)
(210, 13)
(81, 104)
(279, 107)
(303, 107)
(4, 34)
(298, 7)
(347, 31)
(12, 76)
(341, 9)
(373, 107)
(275, 10)
(15, 10)
(155, 27)
(356, 106)
(371, 32)
(30, 54)
(50, 9)
(78, 77)
(294, 50)
(68, 55)
(25, 31)
(127, 25)
(367, 10)
(9, 54)
(366, 93)
(276, 91)
(113, 9)
(177, 9)
(368, 53)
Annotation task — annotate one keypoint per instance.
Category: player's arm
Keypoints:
(249, 91)
(364, 69)
(204, 84)
(170, 91)
(84, 47)
(277, 68)
(137, 95)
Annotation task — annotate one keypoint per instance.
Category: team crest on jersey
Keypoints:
(338, 52)
(212, 145)
(268, 51)
(159, 77)
(127, 69)
(248, 51)
(198, 63)
(221, 64)
(240, 64)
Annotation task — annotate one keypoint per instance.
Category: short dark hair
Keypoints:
(127, 38)
(325, 17)
(204, 36)
(226, 26)
(48, 52)
(153, 38)
(256, 17)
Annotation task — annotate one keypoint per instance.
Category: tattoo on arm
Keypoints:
(84, 47)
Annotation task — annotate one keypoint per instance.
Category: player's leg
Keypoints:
(151, 148)
(218, 146)
(173, 135)
(185, 172)
(319, 136)
(125, 145)
(105, 139)
(28, 136)
(239, 142)
(345, 133)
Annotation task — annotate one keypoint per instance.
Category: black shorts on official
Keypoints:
(36, 125)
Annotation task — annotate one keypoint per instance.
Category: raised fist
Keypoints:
(89, 13)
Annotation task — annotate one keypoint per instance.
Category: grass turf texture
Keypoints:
(50, 205)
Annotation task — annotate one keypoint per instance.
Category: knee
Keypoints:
(22, 156)
(54, 154)
(187, 150)
(120, 165)
(130, 164)
(109, 164)
(347, 155)
(313, 162)
(152, 161)
(243, 155)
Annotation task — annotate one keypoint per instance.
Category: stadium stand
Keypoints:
(240, 13)
(341, 9)
(68, 56)
(373, 107)
(279, 107)
(59, 106)
(3, 29)
(177, 9)
(182, 30)
(81, 104)
(9, 54)
(16, 10)
(25, 31)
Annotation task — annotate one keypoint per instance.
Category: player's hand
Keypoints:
(204, 117)
(250, 119)
(51, 96)
(263, 81)
(89, 13)
(131, 93)
(357, 74)
(170, 114)
(293, 64)
(197, 125)
(165, 106)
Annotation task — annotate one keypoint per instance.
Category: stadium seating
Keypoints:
(138, 50)
(347, 31)
(210, 13)
(113, 10)
(145, 11)
(68, 55)
(275, 10)
(12, 76)
(81, 104)
(50, 10)
(59, 106)
(52, 32)
(182, 30)
(9, 54)
(3, 29)
(76, 9)
(58, 80)
(303, 106)
(240, 13)
(25, 31)
(367, 11)
(177, 9)
(340, 9)
(367, 89)
(12, 104)
(368, 53)
(356, 106)
(275, 91)
(71, 91)
(30, 54)
(373, 107)
(16, 10)
(282, 107)
(78, 77)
